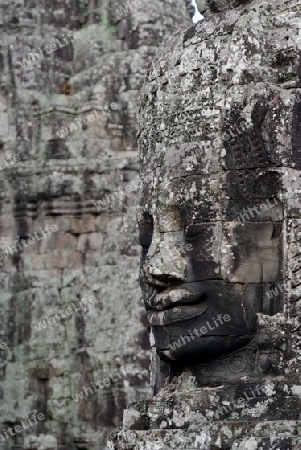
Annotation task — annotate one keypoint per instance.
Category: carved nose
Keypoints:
(161, 272)
(164, 263)
(154, 278)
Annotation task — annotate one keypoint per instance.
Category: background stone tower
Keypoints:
(80, 175)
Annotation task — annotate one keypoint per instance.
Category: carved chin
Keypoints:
(201, 349)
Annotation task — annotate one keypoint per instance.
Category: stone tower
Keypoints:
(219, 217)
(71, 315)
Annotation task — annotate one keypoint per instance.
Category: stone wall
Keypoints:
(219, 133)
(71, 313)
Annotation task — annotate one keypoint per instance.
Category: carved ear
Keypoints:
(243, 140)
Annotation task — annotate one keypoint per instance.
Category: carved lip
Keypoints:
(177, 305)
(176, 297)
(176, 315)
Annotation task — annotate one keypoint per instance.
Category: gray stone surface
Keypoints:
(219, 136)
(85, 184)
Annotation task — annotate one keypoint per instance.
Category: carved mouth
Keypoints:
(174, 306)
(176, 315)
(176, 297)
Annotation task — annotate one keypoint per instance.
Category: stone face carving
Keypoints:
(212, 247)
(220, 228)
(218, 139)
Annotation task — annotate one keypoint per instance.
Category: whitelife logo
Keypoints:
(244, 216)
(19, 428)
(105, 383)
(9, 160)
(240, 402)
(48, 49)
(109, 198)
(202, 331)
(54, 318)
(85, 120)
(26, 242)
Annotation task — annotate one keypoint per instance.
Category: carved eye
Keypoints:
(194, 231)
(146, 232)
